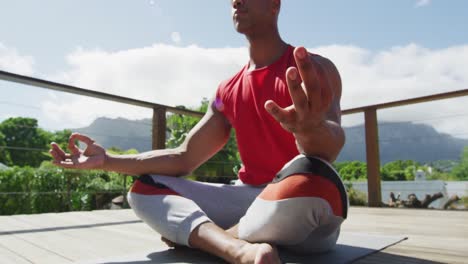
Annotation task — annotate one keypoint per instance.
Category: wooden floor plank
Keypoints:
(9, 223)
(90, 242)
(7, 256)
(434, 236)
(30, 251)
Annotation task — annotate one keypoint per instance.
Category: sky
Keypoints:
(176, 52)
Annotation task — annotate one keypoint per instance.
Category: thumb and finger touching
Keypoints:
(71, 160)
(78, 137)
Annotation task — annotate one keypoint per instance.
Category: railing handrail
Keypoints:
(22, 79)
(415, 100)
(17, 78)
(160, 125)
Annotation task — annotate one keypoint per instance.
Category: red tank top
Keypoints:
(264, 146)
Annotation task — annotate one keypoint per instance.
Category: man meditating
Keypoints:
(284, 105)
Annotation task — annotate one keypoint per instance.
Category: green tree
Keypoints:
(225, 163)
(29, 142)
(4, 153)
(445, 166)
(339, 165)
(352, 171)
(399, 170)
(119, 151)
(180, 125)
(460, 172)
(61, 138)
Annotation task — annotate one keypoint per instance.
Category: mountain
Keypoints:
(398, 140)
(404, 141)
(120, 132)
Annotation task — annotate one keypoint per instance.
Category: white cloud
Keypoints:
(422, 3)
(184, 75)
(52, 95)
(80, 112)
(400, 73)
(160, 73)
(176, 38)
(12, 61)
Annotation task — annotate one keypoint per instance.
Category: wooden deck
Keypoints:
(433, 237)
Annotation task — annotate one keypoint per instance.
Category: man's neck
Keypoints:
(265, 49)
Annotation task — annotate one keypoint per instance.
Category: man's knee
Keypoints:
(283, 222)
(170, 214)
(303, 204)
(145, 194)
(302, 185)
(145, 185)
(309, 177)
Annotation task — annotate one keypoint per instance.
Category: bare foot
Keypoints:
(258, 254)
(233, 231)
(169, 243)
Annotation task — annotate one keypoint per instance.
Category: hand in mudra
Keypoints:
(311, 98)
(92, 157)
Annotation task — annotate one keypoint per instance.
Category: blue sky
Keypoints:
(50, 29)
(154, 49)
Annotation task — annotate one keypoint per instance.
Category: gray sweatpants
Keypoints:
(304, 224)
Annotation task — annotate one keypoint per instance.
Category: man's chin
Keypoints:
(241, 29)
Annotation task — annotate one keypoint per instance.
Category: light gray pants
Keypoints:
(303, 224)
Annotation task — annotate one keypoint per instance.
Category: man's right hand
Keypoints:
(92, 157)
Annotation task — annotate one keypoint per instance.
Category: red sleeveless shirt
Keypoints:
(264, 146)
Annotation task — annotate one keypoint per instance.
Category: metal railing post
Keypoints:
(159, 119)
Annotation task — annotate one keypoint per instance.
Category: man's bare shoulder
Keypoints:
(330, 79)
(329, 71)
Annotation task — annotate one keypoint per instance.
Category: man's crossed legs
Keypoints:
(301, 211)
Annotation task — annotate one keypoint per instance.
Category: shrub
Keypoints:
(356, 197)
(464, 201)
(51, 189)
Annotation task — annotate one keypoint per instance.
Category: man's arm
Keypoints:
(314, 117)
(202, 142)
